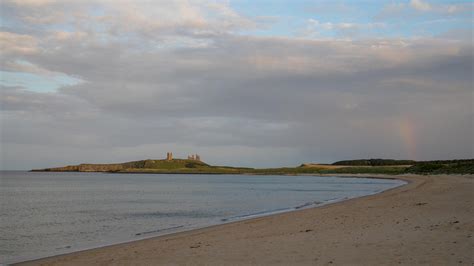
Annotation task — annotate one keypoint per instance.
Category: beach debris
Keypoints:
(421, 203)
(197, 245)
(159, 230)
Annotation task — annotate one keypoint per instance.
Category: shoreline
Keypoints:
(229, 220)
(116, 253)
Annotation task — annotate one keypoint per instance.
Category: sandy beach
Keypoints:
(429, 221)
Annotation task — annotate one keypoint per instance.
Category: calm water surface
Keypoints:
(44, 214)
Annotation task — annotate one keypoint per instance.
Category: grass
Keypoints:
(386, 170)
(182, 166)
(466, 168)
(270, 171)
(437, 168)
(173, 164)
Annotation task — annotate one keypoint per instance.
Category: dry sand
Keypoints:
(430, 221)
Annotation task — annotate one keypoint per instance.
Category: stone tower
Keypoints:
(169, 156)
(194, 157)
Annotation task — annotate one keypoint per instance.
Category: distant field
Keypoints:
(321, 166)
(333, 166)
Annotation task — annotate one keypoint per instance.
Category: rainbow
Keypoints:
(408, 134)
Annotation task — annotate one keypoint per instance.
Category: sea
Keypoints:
(46, 213)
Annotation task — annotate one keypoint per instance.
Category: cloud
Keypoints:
(450, 9)
(192, 85)
(420, 5)
(128, 19)
(415, 7)
(315, 28)
(17, 44)
(33, 3)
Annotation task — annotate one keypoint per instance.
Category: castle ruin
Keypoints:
(169, 156)
(194, 157)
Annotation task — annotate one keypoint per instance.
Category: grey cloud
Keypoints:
(256, 101)
(399, 11)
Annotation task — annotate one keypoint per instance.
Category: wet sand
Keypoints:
(429, 221)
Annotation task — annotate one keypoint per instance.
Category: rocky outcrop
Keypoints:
(100, 167)
(85, 168)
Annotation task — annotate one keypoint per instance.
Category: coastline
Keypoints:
(302, 236)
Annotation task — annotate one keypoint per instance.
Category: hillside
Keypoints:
(130, 166)
(366, 166)
(374, 162)
(443, 167)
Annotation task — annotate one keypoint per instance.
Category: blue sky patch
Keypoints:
(35, 82)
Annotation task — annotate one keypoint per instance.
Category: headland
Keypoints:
(194, 165)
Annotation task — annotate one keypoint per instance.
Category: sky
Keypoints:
(242, 83)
